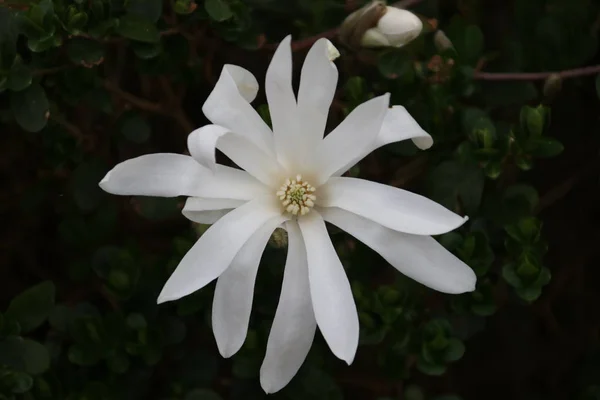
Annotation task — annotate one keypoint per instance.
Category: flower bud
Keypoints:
(442, 42)
(378, 25)
(395, 28)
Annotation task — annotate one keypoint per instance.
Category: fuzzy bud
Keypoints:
(378, 25)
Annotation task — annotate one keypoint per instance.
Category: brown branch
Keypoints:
(71, 129)
(171, 110)
(536, 76)
(138, 102)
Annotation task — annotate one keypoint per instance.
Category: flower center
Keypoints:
(297, 196)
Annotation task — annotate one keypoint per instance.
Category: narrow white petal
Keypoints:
(391, 207)
(208, 211)
(244, 80)
(171, 175)
(203, 142)
(350, 139)
(318, 82)
(421, 258)
(330, 290)
(235, 289)
(216, 248)
(397, 125)
(294, 325)
(282, 102)
(253, 160)
(227, 107)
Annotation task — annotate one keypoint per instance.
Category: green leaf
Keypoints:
(31, 308)
(77, 22)
(218, 10)
(453, 183)
(473, 43)
(24, 355)
(530, 293)
(19, 77)
(82, 356)
(546, 147)
(454, 351)
(150, 10)
(395, 63)
(19, 382)
(85, 52)
(30, 108)
(135, 128)
(184, 7)
(509, 274)
(138, 29)
(202, 394)
(532, 120)
(147, 51)
(430, 369)
(118, 363)
(526, 230)
(414, 392)
(355, 89)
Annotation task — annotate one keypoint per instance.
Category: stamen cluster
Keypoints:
(297, 196)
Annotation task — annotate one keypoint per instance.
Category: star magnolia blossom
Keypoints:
(292, 178)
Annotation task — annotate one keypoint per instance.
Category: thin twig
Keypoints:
(536, 76)
(138, 102)
(73, 130)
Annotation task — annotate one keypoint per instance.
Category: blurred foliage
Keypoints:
(85, 84)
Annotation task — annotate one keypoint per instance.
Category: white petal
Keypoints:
(235, 289)
(421, 258)
(203, 142)
(246, 82)
(391, 207)
(282, 102)
(208, 211)
(330, 290)
(400, 26)
(294, 325)
(216, 248)
(256, 162)
(350, 139)
(317, 89)
(374, 38)
(227, 107)
(171, 175)
(397, 125)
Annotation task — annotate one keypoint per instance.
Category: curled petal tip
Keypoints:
(332, 51)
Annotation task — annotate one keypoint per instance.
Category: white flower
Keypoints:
(292, 178)
(396, 28)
